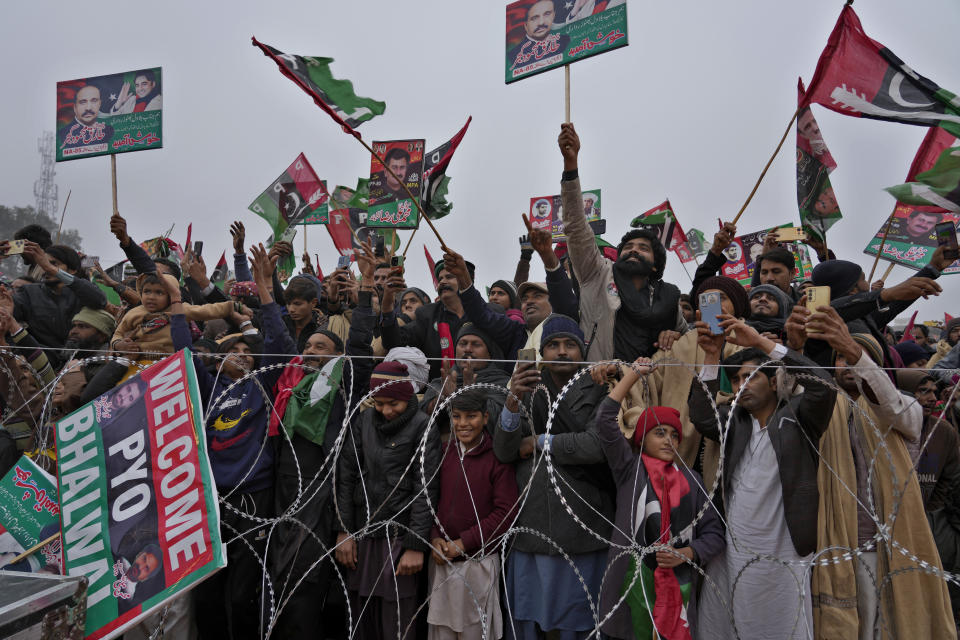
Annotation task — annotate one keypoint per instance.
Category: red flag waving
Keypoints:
(908, 330)
(433, 267)
(858, 76)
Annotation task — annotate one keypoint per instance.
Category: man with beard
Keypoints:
(769, 309)
(241, 457)
(49, 307)
(90, 333)
(625, 307)
(434, 325)
(474, 351)
(542, 587)
(537, 301)
(869, 450)
(769, 482)
(310, 408)
(85, 134)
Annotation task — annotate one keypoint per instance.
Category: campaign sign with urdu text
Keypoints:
(546, 212)
(912, 238)
(139, 509)
(542, 34)
(743, 252)
(389, 204)
(109, 114)
(29, 514)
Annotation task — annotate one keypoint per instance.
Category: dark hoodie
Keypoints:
(774, 324)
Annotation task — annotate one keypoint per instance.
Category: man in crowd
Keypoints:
(769, 309)
(626, 308)
(542, 588)
(769, 481)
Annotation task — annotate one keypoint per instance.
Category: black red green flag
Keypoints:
(336, 97)
(435, 181)
(220, 271)
(860, 77)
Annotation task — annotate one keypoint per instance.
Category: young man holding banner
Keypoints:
(627, 311)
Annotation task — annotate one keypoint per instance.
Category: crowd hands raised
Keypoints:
(578, 456)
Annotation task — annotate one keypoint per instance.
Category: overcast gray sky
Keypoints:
(690, 110)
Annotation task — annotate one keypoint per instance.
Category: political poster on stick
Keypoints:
(29, 515)
(546, 212)
(389, 204)
(912, 237)
(348, 220)
(543, 34)
(743, 252)
(110, 114)
(138, 505)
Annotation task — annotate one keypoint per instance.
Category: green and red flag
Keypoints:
(219, 274)
(335, 97)
(938, 187)
(662, 220)
(435, 181)
(294, 195)
(138, 503)
(696, 243)
(858, 76)
(815, 196)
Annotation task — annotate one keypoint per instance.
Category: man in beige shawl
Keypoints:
(870, 502)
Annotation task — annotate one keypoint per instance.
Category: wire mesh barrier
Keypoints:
(332, 541)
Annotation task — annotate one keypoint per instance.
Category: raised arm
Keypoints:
(139, 258)
(584, 253)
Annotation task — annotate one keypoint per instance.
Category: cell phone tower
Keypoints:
(45, 189)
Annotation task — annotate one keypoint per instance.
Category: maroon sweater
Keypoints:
(482, 513)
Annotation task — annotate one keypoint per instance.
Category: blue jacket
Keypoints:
(241, 456)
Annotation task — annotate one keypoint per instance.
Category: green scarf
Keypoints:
(311, 402)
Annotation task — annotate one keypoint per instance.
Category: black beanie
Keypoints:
(66, 255)
(840, 275)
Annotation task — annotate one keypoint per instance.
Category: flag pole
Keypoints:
(416, 201)
(769, 162)
(305, 238)
(886, 273)
(113, 183)
(409, 240)
(566, 92)
(684, 265)
(62, 214)
(40, 544)
(883, 241)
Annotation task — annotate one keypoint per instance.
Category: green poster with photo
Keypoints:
(109, 114)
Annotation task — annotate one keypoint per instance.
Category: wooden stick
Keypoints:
(113, 183)
(62, 214)
(40, 544)
(416, 201)
(409, 240)
(769, 162)
(886, 273)
(883, 241)
(305, 239)
(566, 93)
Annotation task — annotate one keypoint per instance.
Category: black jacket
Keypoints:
(422, 333)
(380, 477)
(794, 429)
(579, 463)
(49, 314)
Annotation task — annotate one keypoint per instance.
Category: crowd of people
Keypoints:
(587, 456)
